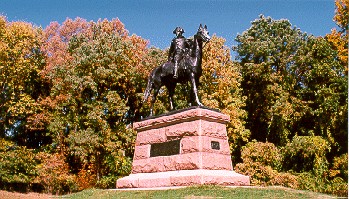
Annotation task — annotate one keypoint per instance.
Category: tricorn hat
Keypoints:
(178, 29)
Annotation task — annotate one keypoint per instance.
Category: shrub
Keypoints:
(305, 154)
(338, 187)
(259, 173)
(308, 181)
(286, 180)
(340, 167)
(53, 174)
(17, 167)
(86, 178)
(265, 153)
(261, 161)
(107, 182)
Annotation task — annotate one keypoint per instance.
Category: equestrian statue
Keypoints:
(183, 65)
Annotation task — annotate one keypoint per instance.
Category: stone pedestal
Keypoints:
(186, 147)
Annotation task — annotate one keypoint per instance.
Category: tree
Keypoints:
(266, 52)
(95, 94)
(220, 89)
(292, 81)
(341, 16)
(296, 88)
(324, 90)
(21, 61)
(339, 39)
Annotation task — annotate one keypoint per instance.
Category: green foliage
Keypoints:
(294, 83)
(301, 164)
(296, 91)
(324, 91)
(306, 154)
(266, 52)
(261, 161)
(337, 186)
(17, 166)
(107, 182)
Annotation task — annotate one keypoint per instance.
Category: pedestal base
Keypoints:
(183, 178)
(181, 148)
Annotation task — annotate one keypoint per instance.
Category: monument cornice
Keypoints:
(177, 116)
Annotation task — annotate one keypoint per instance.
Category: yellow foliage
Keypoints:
(341, 16)
(339, 42)
(20, 65)
(221, 88)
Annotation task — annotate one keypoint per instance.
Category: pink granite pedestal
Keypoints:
(188, 147)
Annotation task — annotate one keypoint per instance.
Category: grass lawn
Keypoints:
(197, 192)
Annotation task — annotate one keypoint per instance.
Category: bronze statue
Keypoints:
(189, 69)
(177, 49)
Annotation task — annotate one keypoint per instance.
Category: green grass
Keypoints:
(197, 192)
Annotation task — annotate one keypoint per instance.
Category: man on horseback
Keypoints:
(177, 49)
(162, 76)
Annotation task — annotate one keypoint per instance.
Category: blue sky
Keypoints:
(155, 20)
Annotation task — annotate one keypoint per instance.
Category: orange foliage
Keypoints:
(53, 174)
(339, 39)
(86, 178)
(341, 16)
(55, 41)
(339, 43)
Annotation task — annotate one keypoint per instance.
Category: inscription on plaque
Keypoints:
(165, 148)
(215, 145)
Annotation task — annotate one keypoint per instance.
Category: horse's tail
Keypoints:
(149, 88)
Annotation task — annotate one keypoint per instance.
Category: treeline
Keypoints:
(70, 93)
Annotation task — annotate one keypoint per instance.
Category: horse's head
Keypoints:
(203, 33)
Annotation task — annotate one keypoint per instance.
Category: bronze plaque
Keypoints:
(165, 148)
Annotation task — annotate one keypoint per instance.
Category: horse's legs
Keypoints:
(171, 90)
(156, 91)
(195, 90)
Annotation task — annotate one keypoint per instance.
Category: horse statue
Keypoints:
(189, 70)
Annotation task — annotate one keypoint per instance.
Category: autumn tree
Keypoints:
(220, 88)
(339, 42)
(96, 92)
(21, 61)
(339, 39)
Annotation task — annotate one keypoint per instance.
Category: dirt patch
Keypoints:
(15, 195)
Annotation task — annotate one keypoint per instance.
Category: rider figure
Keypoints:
(177, 49)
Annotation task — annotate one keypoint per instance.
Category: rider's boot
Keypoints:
(175, 75)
